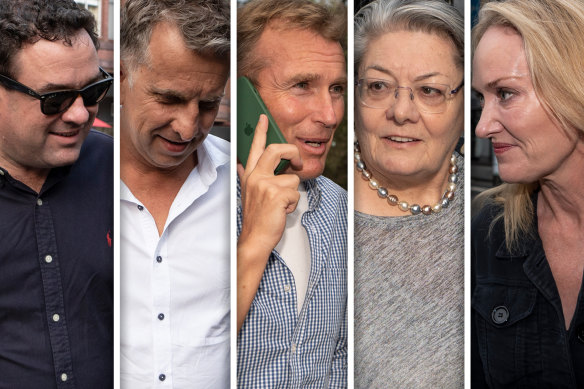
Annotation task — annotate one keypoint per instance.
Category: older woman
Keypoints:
(528, 246)
(409, 241)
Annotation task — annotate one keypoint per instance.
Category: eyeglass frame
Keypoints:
(19, 87)
(398, 87)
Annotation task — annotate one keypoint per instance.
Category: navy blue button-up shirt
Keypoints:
(56, 275)
(518, 330)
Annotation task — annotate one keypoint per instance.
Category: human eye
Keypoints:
(337, 89)
(378, 88)
(431, 94)
(481, 99)
(209, 105)
(432, 91)
(301, 85)
(168, 99)
(504, 94)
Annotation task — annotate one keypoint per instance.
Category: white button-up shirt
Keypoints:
(175, 296)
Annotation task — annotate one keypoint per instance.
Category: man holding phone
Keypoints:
(56, 200)
(175, 251)
(292, 259)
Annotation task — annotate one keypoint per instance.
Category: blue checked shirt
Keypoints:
(278, 348)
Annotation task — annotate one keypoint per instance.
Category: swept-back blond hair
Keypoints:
(553, 40)
(255, 16)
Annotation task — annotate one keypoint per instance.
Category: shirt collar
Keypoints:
(314, 193)
(55, 175)
(211, 156)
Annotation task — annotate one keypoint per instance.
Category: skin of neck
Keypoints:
(561, 195)
(136, 175)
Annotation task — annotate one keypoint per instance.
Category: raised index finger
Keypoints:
(258, 143)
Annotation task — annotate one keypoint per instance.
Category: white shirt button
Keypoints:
(39, 202)
(63, 377)
(48, 259)
(293, 348)
(286, 288)
(56, 317)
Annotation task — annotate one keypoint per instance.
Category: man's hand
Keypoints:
(266, 200)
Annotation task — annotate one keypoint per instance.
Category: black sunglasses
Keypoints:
(60, 101)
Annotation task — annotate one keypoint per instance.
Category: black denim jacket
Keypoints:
(519, 339)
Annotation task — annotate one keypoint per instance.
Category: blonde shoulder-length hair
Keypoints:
(553, 39)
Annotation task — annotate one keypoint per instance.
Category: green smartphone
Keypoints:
(249, 108)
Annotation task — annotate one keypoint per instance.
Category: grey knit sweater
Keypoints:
(409, 298)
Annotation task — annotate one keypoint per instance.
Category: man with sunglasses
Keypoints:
(174, 207)
(56, 192)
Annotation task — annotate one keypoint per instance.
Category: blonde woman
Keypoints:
(528, 246)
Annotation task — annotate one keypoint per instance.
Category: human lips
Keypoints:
(65, 134)
(401, 139)
(397, 140)
(500, 148)
(67, 137)
(314, 145)
(174, 146)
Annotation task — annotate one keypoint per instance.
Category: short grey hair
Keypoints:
(430, 16)
(204, 25)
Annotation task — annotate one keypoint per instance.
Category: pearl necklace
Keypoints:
(414, 209)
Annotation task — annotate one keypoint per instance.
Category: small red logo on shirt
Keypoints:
(109, 238)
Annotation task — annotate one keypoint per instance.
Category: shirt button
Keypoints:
(63, 377)
(48, 259)
(161, 316)
(286, 288)
(56, 317)
(159, 259)
(580, 333)
(162, 377)
(293, 348)
(140, 208)
(500, 315)
(39, 202)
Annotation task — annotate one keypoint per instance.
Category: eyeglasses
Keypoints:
(428, 97)
(59, 101)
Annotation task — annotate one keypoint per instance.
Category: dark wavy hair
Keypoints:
(25, 22)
